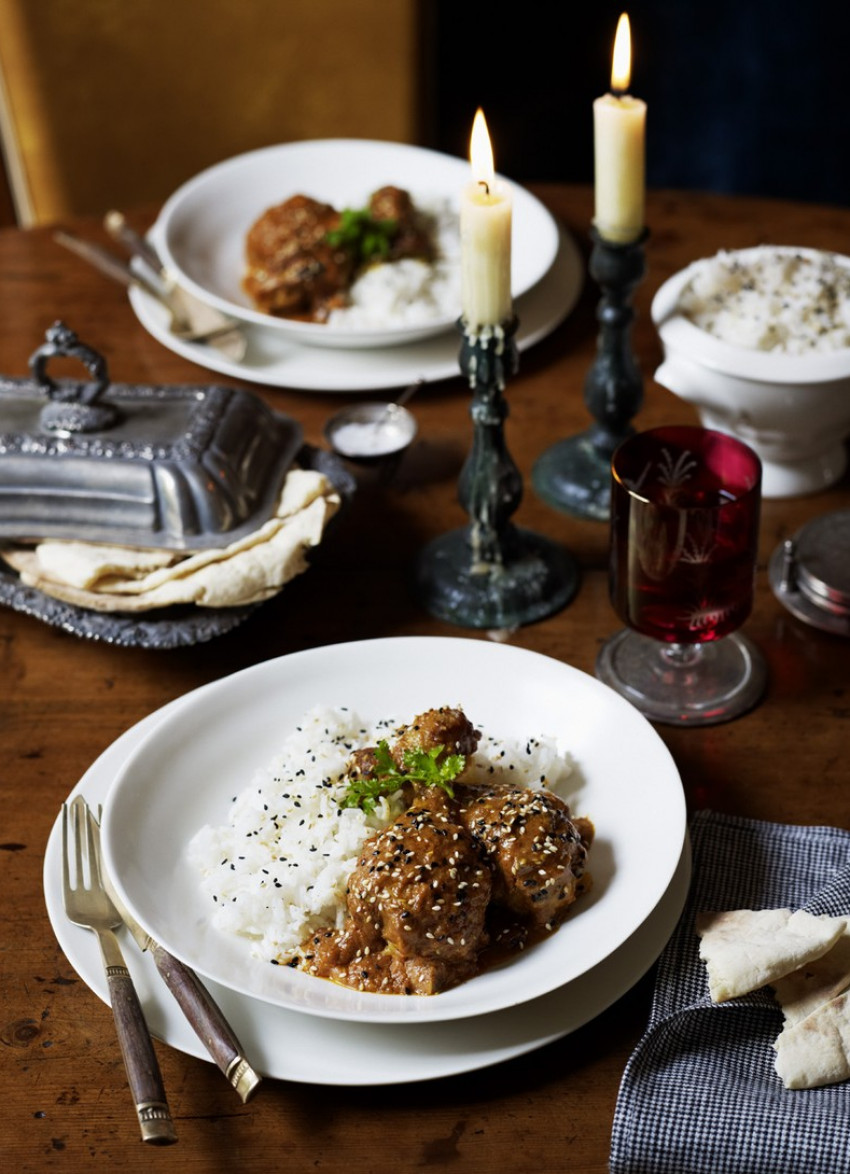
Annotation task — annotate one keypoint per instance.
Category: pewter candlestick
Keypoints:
(490, 573)
(575, 474)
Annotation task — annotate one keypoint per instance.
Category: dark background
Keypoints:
(748, 98)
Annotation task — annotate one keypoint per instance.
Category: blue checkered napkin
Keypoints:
(700, 1094)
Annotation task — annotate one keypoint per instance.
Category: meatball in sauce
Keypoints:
(417, 904)
(294, 271)
(460, 872)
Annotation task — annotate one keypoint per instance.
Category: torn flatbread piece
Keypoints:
(250, 570)
(815, 983)
(816, 1050)
(745, 949)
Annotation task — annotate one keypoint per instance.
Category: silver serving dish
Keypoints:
(174, 467)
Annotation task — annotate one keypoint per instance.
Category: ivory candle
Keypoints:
(619, 131)
(485, 238)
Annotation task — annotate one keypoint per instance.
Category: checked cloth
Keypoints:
(699, 1094)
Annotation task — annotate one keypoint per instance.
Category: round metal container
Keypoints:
(810, 573)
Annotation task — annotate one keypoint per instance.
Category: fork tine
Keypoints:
(92, 847)
(80, 856)
(66, 874)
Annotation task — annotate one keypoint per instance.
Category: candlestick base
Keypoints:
(575, 474)
(491, 574)
(535, 579)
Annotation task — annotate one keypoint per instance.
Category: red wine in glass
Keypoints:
(684, 533)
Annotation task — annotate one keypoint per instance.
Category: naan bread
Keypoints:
(745, 949)
(87, 566)
(817, 982)
(250, 570)
(816, 1050)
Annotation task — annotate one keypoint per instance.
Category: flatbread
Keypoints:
(805, 990)
(252, 569)
(816, 1050)
(745, 949)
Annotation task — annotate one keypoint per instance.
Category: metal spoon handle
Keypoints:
(409, 392)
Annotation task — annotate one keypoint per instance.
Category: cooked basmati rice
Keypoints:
(776, 300)
(409, 292)
(277, 870)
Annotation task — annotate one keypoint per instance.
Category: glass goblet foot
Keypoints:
(684, 684)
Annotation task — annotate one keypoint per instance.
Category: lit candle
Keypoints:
(619, 123)
(485, 238)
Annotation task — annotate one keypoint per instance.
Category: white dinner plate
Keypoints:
(276, 362)
(306, 1049)
(202, 227)
(185, 774)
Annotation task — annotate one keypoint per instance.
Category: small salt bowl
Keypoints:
(792, 408)
(371, 433)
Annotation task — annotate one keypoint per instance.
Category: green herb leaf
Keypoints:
(366, 238)
(431, 768)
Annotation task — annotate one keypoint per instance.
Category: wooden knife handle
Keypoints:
(207, 1020)
(140, 1059)
(138, 245)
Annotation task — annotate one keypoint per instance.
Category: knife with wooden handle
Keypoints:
(196, 1003)
(200, 314)
(189, 319)
(109, 264)
(136, 244)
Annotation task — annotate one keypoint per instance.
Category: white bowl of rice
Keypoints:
(759, 341)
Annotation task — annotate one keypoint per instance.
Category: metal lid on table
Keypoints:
(173, 467)
(810, 573)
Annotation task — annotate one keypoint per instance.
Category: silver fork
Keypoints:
(87, 905)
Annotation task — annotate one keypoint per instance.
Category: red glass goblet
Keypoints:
(684, 537)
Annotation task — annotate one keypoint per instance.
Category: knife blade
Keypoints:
(196, 1003)
(190, 320)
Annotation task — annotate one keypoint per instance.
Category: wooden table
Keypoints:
(64, 1097)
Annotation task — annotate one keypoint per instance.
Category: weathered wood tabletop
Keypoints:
(65, 1103)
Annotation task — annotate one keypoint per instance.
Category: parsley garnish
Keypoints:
(367, 239)
(419, 766)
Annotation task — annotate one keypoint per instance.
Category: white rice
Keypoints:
(277, 870)
(776, 300)
(409, 292)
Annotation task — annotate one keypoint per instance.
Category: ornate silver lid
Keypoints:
(177, 467)
(810, 573)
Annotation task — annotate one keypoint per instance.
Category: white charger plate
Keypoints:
(275, 361)
(202, 227)
(184, 775)
(306, 1049)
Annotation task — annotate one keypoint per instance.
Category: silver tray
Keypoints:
(174, 627)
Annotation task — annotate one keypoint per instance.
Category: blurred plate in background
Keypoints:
(202, 227)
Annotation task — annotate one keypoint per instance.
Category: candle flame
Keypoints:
(481, 152)
(621, 67)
